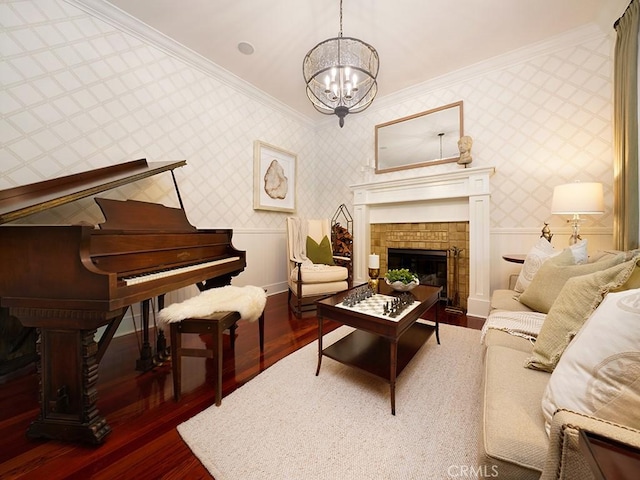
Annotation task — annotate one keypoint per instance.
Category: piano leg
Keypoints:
(68, 373)
(145, 362)
(162, 352)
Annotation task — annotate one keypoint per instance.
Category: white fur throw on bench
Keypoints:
(248, 301)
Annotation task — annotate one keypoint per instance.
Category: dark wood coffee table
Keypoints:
(380, 345)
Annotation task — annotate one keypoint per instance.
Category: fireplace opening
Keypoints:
(429, 265)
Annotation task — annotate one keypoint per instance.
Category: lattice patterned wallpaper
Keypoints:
(79, 94)
(541, 120)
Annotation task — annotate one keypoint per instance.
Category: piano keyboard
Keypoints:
(148, 277)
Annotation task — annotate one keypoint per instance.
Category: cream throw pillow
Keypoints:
(540, 253)
(579, 297)
(599, 374)
(552, 276)
(579, 252)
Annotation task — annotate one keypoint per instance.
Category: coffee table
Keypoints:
(380, 345)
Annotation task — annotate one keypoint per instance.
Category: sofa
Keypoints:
(532, 410)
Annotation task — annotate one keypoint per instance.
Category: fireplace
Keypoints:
(404, 206)
(429, 265)
(430, 243)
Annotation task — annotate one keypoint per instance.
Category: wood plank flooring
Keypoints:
(140, 409)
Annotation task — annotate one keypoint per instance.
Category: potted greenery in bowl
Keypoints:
(401, 279)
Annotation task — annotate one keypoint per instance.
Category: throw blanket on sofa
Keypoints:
(520, 324)
(248, 301)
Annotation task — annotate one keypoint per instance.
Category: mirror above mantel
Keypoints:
(420, 140)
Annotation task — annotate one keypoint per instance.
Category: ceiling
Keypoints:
(417, 40)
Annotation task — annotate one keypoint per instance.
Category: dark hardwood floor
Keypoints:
(144, 442)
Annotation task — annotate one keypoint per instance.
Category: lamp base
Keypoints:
(575, 227)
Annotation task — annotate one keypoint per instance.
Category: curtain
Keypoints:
(625, 131)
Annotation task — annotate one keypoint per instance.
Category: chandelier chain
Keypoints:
(340, 18)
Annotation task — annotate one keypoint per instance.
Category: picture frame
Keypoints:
(274, 178)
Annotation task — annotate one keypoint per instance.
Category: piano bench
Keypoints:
(214, 324)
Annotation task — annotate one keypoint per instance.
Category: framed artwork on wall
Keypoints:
(274, 178)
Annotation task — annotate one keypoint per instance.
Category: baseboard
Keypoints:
(477, 307)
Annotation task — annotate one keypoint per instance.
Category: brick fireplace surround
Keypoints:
(420, 206)
(427, 236)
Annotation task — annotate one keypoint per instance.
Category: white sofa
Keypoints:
(515, 442)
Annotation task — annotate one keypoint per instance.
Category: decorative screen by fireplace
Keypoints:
(429, 265)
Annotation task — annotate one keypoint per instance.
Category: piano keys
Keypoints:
(69, 280)
(149, 277)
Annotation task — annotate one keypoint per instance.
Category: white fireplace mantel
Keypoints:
(460, 195)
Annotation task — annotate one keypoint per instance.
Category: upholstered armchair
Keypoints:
(312, 270)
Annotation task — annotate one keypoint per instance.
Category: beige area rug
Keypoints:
(288, 424)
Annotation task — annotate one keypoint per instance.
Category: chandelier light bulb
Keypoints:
(347, 87)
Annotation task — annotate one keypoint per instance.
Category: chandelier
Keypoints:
(340, 74)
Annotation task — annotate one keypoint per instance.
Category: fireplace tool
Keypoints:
(454, 300)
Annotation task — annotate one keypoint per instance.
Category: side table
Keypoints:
(609, 459)
(514, 257)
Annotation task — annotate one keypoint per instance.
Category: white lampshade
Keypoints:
(578, 197)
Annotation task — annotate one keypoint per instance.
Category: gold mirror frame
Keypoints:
(420, 140)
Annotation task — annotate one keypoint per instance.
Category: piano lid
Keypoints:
(19, 202)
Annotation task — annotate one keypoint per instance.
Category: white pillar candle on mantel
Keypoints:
(374, 261)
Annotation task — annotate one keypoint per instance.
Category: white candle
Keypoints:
(374, 261)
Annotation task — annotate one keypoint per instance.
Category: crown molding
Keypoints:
(126, 23)
(559, 42)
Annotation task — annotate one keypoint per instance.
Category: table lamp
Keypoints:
(577, 199)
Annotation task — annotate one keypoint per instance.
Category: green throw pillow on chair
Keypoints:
(320, 252)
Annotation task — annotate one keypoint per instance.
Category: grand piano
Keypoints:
(69, 280)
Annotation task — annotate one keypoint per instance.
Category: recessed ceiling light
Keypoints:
(246, 48)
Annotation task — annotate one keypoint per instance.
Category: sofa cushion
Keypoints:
(505, 300)
(578, 298)
(552, 276)
(599, 373)
(320, 273)
(514, 438)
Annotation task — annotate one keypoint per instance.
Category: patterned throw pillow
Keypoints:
(553, 274)
(540, 253)
(320, 253)
(599, 373)
(579, 297)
